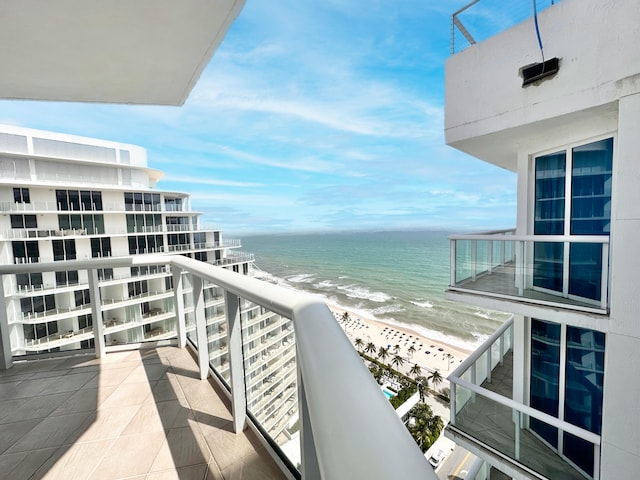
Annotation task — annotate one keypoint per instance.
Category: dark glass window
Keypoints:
(25, 251)
(100, 247)
(67, 278)
(23, 221)
(545, 375)
(583, 391)
(21, 195)
(64, 249)
(62, 200)
(28, 280)
(82, 297)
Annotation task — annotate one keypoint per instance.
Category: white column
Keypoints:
(178, 301)
(201, 327)
(6, 360)
(236, 363)
(96, 312)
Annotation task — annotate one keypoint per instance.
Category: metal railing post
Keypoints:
(474, 259)
(236, 361)
(96, 312)
(604, 279)
(452, 403)
(452, 262)
(201, 326)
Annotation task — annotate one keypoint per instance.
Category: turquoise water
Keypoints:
(398, 277)
(388, 393)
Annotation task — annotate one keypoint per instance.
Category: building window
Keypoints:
(583, 365)
(82, 297)
(67, 278)
(201, 256)
(585, 209)
(25, 252)
(145, 244)
(138, 288)
(173, 204)
(24, 221)
(21, 195)
(93, 224)
(142, 223)
(29, 280)
(100, 247)
(64, 249)
(38, 304)
(141, 202)
(79, 200)
(105, 273)
(85, 321)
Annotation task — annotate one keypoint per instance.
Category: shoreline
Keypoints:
(430, 354)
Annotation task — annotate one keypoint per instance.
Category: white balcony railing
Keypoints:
(497, 423)
(348, 429)
(570, 271)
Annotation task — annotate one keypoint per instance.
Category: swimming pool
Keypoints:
(388, 393)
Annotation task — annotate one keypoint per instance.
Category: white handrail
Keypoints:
(355, 434)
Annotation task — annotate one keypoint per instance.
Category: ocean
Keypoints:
(395, 277)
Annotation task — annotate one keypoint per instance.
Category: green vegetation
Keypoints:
(424, 426)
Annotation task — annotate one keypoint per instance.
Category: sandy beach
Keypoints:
(429, 354)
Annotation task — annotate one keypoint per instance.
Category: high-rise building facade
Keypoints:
(552, 394)
(65, 197)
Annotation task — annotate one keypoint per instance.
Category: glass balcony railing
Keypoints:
(280, 357)
(566, 271)
(484, 413)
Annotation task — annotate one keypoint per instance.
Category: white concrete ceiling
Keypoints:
(112, 51)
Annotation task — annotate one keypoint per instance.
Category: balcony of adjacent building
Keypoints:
(168, 402)
(529, 274)
(505, 431)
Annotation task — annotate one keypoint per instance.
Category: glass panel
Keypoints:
(505, 429)
(548, 265)
(271, 375)
(591, 188)
(585, 375)
(550, 172)
(545, 375)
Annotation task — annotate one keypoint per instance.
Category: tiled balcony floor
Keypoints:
(140, 414)
(501, 281)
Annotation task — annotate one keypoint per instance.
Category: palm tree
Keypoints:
(383, 353)
(345, 317)
(397, 360)
(370, 348)
(449, 357)
(411, 350)
(423, 386)
(435, 378)
(426, 426)
(358, 343)
(416, 370)
(397, 349)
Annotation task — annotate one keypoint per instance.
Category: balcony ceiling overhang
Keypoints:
(115, 51)
(501, 147)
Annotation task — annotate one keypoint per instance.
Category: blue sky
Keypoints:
(312, 116)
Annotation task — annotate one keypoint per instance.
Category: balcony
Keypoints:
(568, 272)
(172, 406)
(488, 421)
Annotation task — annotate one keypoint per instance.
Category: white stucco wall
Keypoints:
(596, 42)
